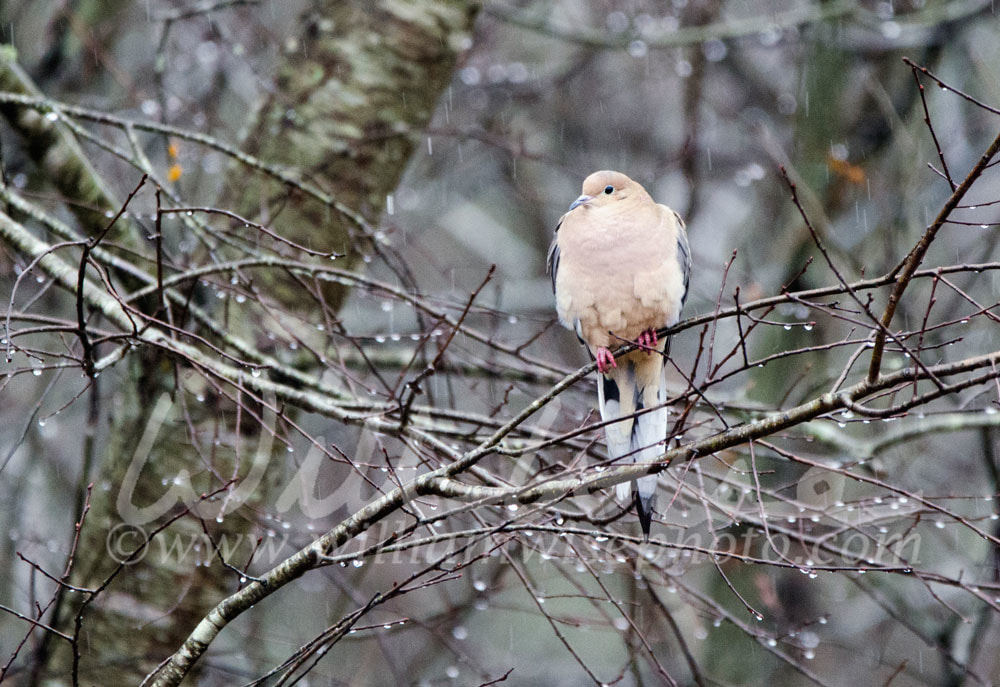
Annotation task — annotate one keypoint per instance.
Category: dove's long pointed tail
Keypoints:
(628, 391)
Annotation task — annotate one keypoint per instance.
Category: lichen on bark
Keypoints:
(356, 87)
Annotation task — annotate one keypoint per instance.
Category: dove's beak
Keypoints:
(578, 202)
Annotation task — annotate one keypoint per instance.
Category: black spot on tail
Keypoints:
(645, 513)
(610, 390)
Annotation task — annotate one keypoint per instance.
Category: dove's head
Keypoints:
(605, 188)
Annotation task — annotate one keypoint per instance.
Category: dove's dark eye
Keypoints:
(609, 189)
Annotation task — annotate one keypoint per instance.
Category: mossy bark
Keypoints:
(357, 86)
(54, 150)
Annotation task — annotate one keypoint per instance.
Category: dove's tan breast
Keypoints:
(619, 271)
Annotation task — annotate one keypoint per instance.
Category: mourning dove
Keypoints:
(620, 265)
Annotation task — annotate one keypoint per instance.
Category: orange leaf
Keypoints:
(853, 173)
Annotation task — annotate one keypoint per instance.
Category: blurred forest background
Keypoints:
(253, 341)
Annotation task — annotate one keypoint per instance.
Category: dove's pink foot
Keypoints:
(605, 361)
(648, 341)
